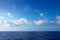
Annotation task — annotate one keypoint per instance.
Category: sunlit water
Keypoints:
(30, 35)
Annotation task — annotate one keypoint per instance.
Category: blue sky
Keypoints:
(29, 15)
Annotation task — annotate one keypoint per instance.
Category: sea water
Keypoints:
(29, 35)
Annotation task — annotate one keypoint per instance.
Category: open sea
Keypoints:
(29, 35)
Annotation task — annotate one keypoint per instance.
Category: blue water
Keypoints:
(30, 35)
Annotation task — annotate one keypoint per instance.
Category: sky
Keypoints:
(29, 15)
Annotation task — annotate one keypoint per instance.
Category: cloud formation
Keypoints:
(18, 22)
(58, 19)
(5, 24)
(21, 21)
(9, 14)
(40, 22)
(25, 21)
(46, 22)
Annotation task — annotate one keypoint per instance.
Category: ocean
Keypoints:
(29, 35)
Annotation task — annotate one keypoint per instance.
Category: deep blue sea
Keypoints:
(30, 35)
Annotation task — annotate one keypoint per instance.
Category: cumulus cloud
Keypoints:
(18, 22)
(40, 22)
(5, 24)
(58, 19)
(9, 14)
(21, 21)
(25, 21)
(46, 22)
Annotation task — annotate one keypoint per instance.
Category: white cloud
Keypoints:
(25, 21)
(58, 19)
(18, 22)
(45, 22)
(21, 21)
(15, 22)
(9, 14)
(5, 24)
(40, 22)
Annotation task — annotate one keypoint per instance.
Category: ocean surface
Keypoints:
(30, 35)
